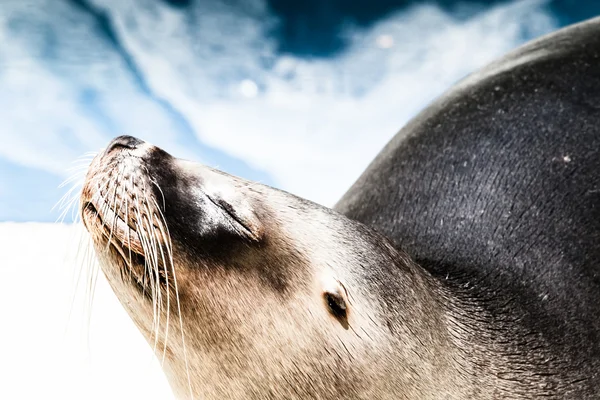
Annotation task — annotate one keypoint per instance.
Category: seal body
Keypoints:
(495, 190)
(461, 265)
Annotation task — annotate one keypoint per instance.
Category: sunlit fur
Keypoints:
(252, 322)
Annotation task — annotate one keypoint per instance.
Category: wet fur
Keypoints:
(495, 190)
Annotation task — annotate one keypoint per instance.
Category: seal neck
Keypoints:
(478, 321)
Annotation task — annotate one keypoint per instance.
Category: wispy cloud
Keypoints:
(207, 83)
(65, 90)
(314, 124)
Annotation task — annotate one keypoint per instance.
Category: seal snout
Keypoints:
(119, 206)
(125, 141)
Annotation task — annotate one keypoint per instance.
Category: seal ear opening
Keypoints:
(336, 300)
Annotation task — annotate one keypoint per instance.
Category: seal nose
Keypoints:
(127, 142)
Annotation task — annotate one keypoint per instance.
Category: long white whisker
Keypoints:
(154, 245)
(114, 208)
(162, 226)
(155, 289)
(148, 269)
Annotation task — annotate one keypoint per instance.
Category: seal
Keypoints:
(248, 292)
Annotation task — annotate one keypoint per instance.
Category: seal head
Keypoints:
(245, 291)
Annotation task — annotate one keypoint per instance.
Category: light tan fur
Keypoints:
(228, 331)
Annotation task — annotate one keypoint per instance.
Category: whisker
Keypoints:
(114, 201)
(185, 357)
(163, 228)
(137, 202)
(128, 230)
(148, 268)
(161, 193)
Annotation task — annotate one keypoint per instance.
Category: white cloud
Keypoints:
(248, 88)
(311, 124)
(385, 41)
(315, 124)
(65, 91)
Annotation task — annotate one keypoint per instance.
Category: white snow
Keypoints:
(44, 354)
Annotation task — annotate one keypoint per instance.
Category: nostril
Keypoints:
(128, 142)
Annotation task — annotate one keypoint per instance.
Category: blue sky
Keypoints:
(298, 95)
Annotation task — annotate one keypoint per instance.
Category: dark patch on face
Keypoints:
(205, 227)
